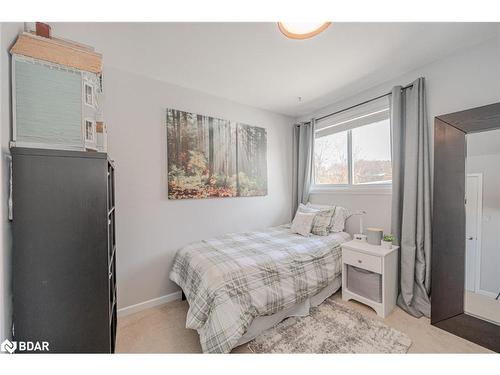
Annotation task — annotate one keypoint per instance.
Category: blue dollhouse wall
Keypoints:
(49, 107)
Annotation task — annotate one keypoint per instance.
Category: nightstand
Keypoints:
(370, 275)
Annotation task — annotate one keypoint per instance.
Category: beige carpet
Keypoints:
(331, 328)
(483, 307)
(162, 329)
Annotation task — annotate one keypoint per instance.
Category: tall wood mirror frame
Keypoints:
(448, 233)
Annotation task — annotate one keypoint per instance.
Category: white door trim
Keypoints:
(479, 213)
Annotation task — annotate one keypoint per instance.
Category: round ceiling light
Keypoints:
(302, 30)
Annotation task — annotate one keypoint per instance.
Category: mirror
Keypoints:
(465, 241)
(482, 226)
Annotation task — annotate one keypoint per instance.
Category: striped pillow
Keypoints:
(322, 221)
(339, 217)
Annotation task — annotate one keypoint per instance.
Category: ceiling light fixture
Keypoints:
(302, 30)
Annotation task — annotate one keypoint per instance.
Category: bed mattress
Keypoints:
(232, 279)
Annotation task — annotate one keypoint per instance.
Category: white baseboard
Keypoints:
(150, 303)
(486, 293)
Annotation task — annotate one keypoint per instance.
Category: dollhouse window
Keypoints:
(89, 94)
(90, 131)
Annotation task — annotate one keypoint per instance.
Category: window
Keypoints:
(330, 159)
(89, 131)
(353, 149)
(89, 94)
(371, 153)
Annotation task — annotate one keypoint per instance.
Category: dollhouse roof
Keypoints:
(58, 51)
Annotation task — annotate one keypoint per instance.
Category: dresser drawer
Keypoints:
(362, 260)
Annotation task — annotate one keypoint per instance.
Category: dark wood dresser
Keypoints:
(64, 250)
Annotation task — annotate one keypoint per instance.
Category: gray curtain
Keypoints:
(411, 196)
(303, 151)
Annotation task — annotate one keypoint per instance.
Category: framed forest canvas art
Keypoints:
(210, 157)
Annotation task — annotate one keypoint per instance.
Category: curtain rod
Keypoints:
(359, 104)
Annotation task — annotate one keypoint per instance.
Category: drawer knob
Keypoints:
(360, 261)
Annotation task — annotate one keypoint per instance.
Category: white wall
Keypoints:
(150, 228)
(488, 163)
(8, 34)
(467, 78)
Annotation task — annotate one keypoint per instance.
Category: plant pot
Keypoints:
(386, 244)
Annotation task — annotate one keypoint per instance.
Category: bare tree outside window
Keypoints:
(330, 159)
(370, 156)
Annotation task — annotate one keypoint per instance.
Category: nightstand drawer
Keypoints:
(362, 260)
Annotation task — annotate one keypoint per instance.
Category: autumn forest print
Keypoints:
(210, 157)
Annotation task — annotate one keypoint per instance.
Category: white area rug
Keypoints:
(331, 328)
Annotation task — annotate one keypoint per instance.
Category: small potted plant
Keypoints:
(387, 241)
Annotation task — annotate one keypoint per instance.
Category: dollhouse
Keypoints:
(56, 94)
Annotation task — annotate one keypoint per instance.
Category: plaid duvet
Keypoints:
(231, 279)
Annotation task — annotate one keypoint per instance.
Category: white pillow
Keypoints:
(302, 223)
(339, 217)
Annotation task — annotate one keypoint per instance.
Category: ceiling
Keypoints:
(254, 64)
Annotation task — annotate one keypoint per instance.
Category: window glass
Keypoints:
(330, 159)
(89, 95)
(89, 130)
(371, 153)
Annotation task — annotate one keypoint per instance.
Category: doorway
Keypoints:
(481, 226)
(473, 215)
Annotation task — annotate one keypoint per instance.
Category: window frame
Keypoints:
(92, 93)
(90, 143)
(382, 188)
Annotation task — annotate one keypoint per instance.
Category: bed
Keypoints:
(238, 285)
